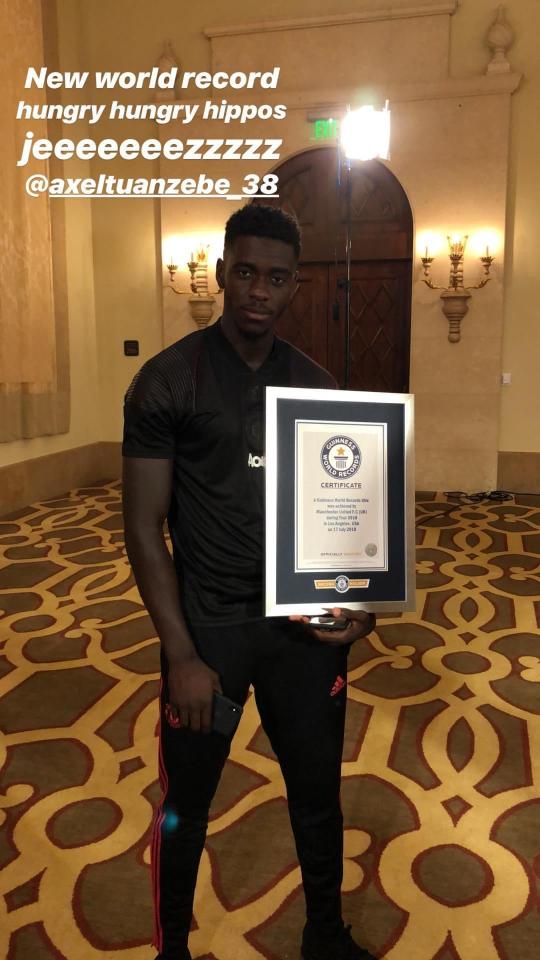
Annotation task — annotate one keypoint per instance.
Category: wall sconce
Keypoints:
(201, 304)
(455, 296)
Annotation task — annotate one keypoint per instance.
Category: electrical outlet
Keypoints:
(131, 348)
(506, 379)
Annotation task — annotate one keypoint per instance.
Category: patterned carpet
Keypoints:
(441, 766)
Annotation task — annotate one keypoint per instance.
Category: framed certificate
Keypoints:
(339, 501)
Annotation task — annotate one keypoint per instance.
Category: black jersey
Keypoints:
(199, 404)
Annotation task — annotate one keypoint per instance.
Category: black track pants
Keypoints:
(303, 714)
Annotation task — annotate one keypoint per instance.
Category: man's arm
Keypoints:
(147, 488)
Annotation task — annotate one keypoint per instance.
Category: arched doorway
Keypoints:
(381, 231)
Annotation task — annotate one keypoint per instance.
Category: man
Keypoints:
(193, 452)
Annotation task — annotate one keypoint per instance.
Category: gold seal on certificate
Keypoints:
(341, 502)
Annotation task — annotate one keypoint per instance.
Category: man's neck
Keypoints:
(253, 351)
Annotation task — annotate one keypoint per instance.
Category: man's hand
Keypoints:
(191, 691)
(359, 625)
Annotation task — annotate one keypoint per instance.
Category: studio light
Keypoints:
(365, 133)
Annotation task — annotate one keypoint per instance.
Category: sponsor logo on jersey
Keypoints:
(255, 461)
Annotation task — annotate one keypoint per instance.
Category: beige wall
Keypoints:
(126, 274)
(520, 425)
(128, 298)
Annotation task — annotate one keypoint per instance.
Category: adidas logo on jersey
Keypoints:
(338, 685)
(255, 461)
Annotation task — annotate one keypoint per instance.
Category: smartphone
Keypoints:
(225, 715)
(328, 623)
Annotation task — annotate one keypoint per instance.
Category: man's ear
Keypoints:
(220, 274)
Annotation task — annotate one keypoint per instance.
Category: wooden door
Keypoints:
(311, 187)
(379, 344)
(379, 338)
(305, 322)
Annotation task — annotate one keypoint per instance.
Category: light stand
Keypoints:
(344, 163)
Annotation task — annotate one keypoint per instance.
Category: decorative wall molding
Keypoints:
(335, 20)
(499, 39)
(337, 98)
(519, 472)
(43, 478)
(482, 86)
(46, 477)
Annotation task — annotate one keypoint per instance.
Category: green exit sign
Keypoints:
(326, 129)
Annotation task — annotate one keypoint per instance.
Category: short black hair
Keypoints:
(262, 220)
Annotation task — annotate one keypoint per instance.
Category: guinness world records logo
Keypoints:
(341, 457)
